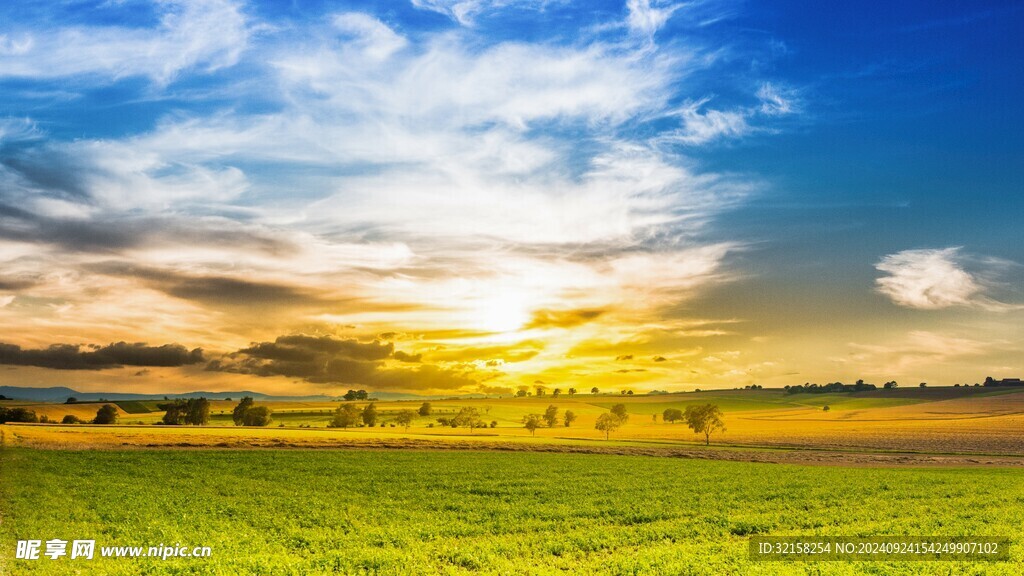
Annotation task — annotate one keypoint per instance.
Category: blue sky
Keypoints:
(515, 191)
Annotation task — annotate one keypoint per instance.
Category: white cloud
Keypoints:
(701, 127)
(645, 19)
(465, 12)
(377, 39)
(918, 352)
(776, 101)
(462, 11)
(439, 169)
(13, 129)
(511, 83)
(931, 279)
(209, 34)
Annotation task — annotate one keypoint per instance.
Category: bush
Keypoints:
(17, 415)
(71, 419)
(107, 414)
(346, 415)
(195, 411)
(370, 415)
(257, 416)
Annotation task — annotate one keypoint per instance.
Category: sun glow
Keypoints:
(503, 312)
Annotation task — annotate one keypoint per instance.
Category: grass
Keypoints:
(134, 407)
(413, 512)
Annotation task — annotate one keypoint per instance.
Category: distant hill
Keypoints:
(61, 393)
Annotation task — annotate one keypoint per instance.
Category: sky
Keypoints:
(473, 196)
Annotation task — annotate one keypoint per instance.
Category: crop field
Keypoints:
(422, 512)
(939, 421)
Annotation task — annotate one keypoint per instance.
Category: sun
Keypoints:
(505, 312)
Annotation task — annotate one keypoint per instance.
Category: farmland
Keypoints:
(433, 499)
(964, 421)
(428, 512)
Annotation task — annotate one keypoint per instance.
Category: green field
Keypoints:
(416, 512)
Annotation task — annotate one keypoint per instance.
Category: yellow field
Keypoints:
(942, 421)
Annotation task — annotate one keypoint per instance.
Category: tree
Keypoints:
(619, 411)
(923, 384)
(594, 390)
(469, 417)
(890, 385)
(825, 408)
(672, 415)
(425, 409)
(557, 392)
(521, 393)
(346, 415)
(704, 420)
(629, 392)
(607, 423)
(174, 412)
(71, 400)
(569, 418)
(257, 416)
(551, 416)
(238, 414)
(572, 391)
(541, 390)
(198, 412)
(17, 415)
(531, 422)
(405, 418)
(71, 419)
(107, 414)
(370, 414)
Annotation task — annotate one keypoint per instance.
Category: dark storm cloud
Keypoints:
(306, 348)
(220, 291)
(111, 234)
(45, 169)
(230, 291)
(327, 360)
(411, 358)
(15, 284)
(74, 357)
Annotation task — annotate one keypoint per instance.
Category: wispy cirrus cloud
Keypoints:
(203, 34)
(647, 17)
(465, 12)
(933, 279)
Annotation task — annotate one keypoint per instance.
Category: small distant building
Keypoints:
(1004, 382)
